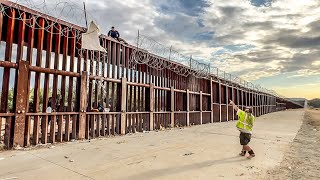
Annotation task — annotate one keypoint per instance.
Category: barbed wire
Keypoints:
(152, 53)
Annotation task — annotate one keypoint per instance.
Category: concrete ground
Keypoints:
(201, 152)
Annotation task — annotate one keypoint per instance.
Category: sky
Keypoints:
(274, 43)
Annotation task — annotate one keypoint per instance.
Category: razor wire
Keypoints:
(159, 57)
(52, 15)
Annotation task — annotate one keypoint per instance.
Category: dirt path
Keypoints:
(302, 160)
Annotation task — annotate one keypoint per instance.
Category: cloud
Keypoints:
(187, 7)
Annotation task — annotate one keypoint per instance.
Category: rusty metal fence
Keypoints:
(46, 67)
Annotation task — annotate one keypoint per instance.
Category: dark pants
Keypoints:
(244, 138)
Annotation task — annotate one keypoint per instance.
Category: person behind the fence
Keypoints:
(244, 125)
(94, 108)
(100, 107)
(49, 108)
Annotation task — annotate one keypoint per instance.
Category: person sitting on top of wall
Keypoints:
(116, 35)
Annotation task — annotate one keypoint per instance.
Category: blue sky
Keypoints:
(275, 43)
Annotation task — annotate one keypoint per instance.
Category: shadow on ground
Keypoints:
(178, 169)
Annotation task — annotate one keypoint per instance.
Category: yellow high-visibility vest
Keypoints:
(245, 121)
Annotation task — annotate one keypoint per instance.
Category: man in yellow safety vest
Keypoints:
(244, 125)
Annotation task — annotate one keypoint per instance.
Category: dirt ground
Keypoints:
(302, 160)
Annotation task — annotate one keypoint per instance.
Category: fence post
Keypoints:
(262, 104)
(151, 106)
(83, 104)
(21, 104)
(238, 100)
(200, 107)
(220, 102)
(172, 106)
(227, 97)
(188, 107)
(123, 105)
(249, 101)
(242, 98)
(211, 100)
(8, 134)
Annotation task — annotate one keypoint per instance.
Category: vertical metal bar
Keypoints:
(92, 129)
(96, 87)
(36, 129)
(113, 62)
(44, 127)
(60, 127)
(200, 107)
(226, 101)
(48, 63)
(20, 106)
(22, 125)
(67, 128)
(123, 60)
(1, 24)
(97, 125)
(151, 123)
(87, 128)
(85, 60)
(139, 97)
(36, 96)
(29, 56)
(8, 132)
(188, 109)
(83, 105)
(64, 63)
(123, 105)
(135, 100)
(103, 124)
(90, 105)
(53, 128)
(172, 102)
(75, 125)
(56, 65)
(72, 55)
(8, 55)
(220, 95)
(108, 124)
(118, 61)
(108, 72)
(113, 124)
(102, 90)
(79, 56)
(211, 100)
(155, 98)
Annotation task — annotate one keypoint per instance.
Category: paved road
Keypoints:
(200, 152)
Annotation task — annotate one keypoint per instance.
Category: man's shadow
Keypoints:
(178, 169)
